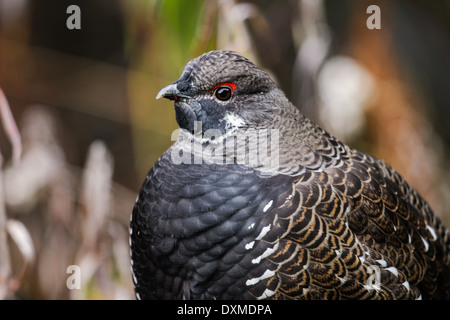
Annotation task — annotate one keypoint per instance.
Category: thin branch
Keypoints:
(12, 132)
(10, 128)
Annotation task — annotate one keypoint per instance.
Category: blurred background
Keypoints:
(84, 127)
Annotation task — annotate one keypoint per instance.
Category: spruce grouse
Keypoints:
(254, 201)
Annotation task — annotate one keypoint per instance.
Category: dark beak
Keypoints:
(171, 92)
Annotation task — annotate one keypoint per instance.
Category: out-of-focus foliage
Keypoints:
(84, 101)
(183, 22)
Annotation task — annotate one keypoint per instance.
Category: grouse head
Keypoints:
(224, 91)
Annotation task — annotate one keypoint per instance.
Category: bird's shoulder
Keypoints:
(357, 221)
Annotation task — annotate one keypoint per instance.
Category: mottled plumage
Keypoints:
(323, 222)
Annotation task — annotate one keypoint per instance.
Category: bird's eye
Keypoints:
(224, 91)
